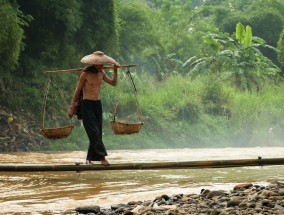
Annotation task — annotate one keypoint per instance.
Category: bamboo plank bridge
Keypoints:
(78, 167)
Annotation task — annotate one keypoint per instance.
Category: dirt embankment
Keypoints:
(19, 131)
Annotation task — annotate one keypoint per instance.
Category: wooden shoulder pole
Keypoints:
(79, 69)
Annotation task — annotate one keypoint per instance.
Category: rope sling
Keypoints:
(122, 127)
(54, 133)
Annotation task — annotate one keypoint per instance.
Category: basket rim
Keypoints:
(57, 133)
(125, 128)
(128, 123)
(58, 128)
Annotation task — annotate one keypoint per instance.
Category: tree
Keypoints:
(267, 23)
(177, 35)
(58, 36)
(11, 36)
(64, 31)
(49, 37)
(100, 27)
(137, 30)
(236, 59)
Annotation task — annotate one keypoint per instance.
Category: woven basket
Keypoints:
(56, 133)
(125, 128)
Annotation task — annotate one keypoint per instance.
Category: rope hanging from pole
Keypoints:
(54, 133)
(120, 127)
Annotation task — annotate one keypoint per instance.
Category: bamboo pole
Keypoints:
(139, 166)
(79, 69)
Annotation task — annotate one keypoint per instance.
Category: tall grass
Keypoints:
(179, 112)
(257, 118)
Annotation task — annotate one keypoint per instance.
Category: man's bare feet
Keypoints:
(104, 162)
(88, 162)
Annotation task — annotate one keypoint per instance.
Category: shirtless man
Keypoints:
(90, 81)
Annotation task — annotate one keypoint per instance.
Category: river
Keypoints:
(61, 192)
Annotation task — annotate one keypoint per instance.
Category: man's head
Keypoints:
(98, 66)
(94, 68)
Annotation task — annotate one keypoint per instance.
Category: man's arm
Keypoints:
(112, 81)
(75, 98)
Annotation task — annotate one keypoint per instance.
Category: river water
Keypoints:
(61, 192)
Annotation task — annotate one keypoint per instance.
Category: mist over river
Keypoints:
(62, 192)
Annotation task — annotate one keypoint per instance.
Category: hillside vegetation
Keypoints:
(209, 73)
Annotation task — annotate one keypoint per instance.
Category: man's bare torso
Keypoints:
(92, 85)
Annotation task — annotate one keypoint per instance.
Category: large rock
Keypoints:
(281, 192)
(117, 206)
(88, 209)
(215, 193)
(243, 186)
(233, 203)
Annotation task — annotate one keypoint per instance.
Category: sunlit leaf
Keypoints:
(248, 37)
(240, 32)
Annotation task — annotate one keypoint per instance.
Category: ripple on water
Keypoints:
(55, 192)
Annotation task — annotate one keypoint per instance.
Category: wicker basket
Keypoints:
(56, 133)
(125, 128)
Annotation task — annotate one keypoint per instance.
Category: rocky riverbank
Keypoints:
(243, 199)
(19, 132)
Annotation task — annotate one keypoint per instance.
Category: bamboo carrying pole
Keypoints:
(138, 166)
(79, 69)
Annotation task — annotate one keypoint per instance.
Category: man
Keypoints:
(90, 81)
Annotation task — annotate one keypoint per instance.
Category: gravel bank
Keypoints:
(243, 199)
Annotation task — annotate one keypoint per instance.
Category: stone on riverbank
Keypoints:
(243, 199)
(88, 209)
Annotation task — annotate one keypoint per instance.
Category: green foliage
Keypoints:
(266, 23)
(100, 27)
(23, 95)
(50, 34)
(254, 117)
(63, 31)
(11, 36)
(280, 47)
(204, 113)
(158, 35)
(185, 113)
(244, 36)
(51, 42)
(238, 60)
(213, 98)
(173, 36)
(271, 19)
(137, 29)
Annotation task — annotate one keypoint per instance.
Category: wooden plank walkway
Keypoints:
(141, 166)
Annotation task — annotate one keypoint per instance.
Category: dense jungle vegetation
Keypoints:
(209, 72)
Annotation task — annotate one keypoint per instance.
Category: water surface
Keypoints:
(61, 192)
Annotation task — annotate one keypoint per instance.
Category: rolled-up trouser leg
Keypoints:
(92, 121)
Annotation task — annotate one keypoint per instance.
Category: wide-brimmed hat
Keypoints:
(98, 58)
